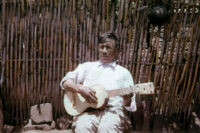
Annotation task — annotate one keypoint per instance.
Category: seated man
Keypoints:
(108, 74)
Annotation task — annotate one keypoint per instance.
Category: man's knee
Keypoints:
(105, 126)
(109, 127)
(83, 128)
(83, 125)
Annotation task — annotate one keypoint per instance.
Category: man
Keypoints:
(106, 73)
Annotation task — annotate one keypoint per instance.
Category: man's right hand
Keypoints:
(88, 94)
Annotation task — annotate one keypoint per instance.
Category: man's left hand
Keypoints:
(127, 99)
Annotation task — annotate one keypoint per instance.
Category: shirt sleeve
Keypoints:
(128, 81)
(78, 75)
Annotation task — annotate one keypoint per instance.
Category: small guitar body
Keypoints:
(75, 104)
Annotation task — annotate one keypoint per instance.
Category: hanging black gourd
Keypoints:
(158, 15)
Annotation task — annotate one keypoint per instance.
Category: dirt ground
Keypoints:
(11, 129)
(51, 131)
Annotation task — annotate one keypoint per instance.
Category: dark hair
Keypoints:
(109, 35)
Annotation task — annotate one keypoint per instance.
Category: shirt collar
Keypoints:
(110, 64)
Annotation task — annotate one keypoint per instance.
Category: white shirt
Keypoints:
(110, 76)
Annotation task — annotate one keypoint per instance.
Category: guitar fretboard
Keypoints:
(143, 89)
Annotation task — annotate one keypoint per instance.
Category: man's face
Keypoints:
(107, 51)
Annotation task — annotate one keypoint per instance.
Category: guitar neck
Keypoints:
(142, 89)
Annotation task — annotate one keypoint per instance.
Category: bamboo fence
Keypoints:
(41, 40)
